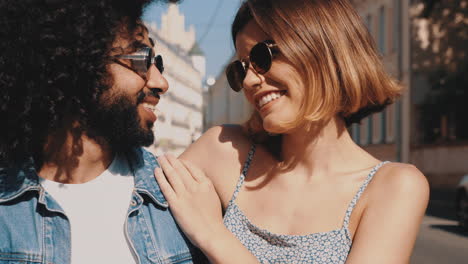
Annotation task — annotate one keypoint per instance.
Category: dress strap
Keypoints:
(245, 169)
(359, 193)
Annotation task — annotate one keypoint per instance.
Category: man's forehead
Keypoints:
(125, 44)
(147, 40)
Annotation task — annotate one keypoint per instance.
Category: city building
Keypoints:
(386, 135)
(223, 105)
(424, 43)
(180, 111)
(439, 50)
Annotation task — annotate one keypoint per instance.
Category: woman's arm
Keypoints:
(390, 222)
(196, 207)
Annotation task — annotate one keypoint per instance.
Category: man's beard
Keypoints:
(117, 122)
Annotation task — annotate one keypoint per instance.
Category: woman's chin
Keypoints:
(273, 127)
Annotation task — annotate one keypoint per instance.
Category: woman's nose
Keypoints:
(252, 78)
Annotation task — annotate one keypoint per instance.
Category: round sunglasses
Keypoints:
(141, 60)
(261, 56)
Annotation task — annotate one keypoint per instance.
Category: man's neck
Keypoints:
(74, 158)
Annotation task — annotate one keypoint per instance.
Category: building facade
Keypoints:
(386, 134)
(223, 105)
(180, 111)
(424, 43)
(439, 84)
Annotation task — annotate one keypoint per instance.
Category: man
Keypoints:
(78, 86)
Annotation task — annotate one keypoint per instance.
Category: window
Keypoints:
(370, 126)
(369, 24)
(376, 128)
(364, 131)
(382, 30)
(383, 127)
(396, 25)
(355, 131)
(390, 122)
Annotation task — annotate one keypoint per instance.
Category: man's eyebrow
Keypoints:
(151, 42)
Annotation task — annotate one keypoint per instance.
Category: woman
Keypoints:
(306, 192)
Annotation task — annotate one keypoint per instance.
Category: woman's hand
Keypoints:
(196, 207)
(192, 199)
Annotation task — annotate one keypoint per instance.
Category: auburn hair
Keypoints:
(327, 42)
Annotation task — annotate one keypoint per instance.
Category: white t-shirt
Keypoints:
(97, 211)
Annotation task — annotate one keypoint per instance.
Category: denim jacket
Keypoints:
(35, 229)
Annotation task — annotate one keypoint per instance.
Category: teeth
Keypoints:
(268, 98)
(149, 106)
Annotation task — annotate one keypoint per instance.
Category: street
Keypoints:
(440, 241)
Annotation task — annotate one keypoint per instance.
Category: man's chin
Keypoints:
(147, 135)
(146, 140)
(142, 136)
(120, 124)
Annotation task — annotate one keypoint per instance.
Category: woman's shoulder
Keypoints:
(400, 182)
(225, 133)
(222, 139)
(220, 153)
(401, 176)
(219, 146)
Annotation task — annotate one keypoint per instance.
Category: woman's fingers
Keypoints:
(197, 174)
(182, 171)
(172, 175)
(166, 188)
(192, 197)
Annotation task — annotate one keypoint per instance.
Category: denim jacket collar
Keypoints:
(143, 163)
(15, 181)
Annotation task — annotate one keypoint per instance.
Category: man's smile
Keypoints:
(148, 103)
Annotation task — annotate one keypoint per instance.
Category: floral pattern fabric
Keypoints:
(319, 248)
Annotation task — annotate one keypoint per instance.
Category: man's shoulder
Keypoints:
(148, 157)
(16, 179)
(142, 163)
(140, 158)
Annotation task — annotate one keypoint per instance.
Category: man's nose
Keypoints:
(156, 80)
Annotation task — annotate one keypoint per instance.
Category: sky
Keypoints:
(212, 20)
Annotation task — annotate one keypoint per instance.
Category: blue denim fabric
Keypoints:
(34, 229)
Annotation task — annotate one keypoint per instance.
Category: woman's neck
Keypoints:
(324, 149)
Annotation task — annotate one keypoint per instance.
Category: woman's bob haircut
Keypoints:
(327, 43)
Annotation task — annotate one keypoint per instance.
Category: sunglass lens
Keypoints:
(149, 56)
(235, 74)
(158, 61)
(260, 57)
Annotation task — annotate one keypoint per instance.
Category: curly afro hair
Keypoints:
(53, 57)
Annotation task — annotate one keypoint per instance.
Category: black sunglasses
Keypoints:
(141, 60)
(261, 56)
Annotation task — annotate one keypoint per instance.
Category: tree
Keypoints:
(440, 33)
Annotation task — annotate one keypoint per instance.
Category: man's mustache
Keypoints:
(152, 92)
